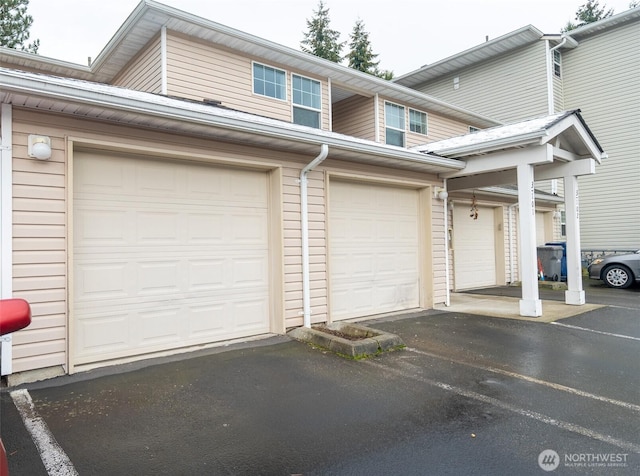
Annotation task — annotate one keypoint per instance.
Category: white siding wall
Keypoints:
(601, 78)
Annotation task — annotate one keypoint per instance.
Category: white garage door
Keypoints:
(166, 255)
(373, 249)
(474, 248)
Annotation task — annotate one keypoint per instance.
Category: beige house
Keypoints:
(197, 184)
(526, 73)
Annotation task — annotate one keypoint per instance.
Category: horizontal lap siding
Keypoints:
(198, 70)
(355, 116)
(493, 87)
(39, 251)
(145, 72)
(600, 78)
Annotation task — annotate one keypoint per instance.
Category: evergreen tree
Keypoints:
(320, 39)
(588, 13)
(15, 24)
(361, 56)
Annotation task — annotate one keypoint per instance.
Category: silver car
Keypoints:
(617, 271)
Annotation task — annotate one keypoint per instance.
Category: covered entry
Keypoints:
(165, 255)
(374, 252)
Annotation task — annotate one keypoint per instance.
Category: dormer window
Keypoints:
(270, 82)
(307, 101)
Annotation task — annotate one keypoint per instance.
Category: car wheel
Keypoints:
(617, 276)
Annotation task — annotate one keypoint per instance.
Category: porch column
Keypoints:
(574, 294)
(530, 304)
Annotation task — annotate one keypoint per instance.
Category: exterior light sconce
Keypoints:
(39, 147)
(440, 193)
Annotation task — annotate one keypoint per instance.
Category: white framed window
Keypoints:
(557, 64)
(418, 121)
(563, 223)
(394, 118)
(270, 82)
(307, 101)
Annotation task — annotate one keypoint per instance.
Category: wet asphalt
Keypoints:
(469, 395)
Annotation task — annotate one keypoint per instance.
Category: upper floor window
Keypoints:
(307, 103)
(557, 70)
(394, 124)
(269, 81)
(418, 121)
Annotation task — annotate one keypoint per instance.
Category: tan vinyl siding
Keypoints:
(355, 116)
(601, 78)
(39, 250)
(197, 70)
(493, 87)
(438, 127)
(144, 72)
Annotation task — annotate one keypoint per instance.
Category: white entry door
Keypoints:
(165, 255)
(374, 249)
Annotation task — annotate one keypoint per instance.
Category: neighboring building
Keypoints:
(197, 184)
(595, 68)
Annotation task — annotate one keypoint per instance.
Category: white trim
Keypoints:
(163, 60)
(253, 91)
(6, 224)
(376, 117)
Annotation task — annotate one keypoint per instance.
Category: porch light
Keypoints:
(440, 193)
(39, 147)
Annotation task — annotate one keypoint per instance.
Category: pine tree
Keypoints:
(588, 13)
(361, 56)
(320, 39)
(15, 24)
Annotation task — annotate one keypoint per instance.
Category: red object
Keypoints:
(15, 314)
(4, 464)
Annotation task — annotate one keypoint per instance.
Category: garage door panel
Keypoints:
(170, 245)
(374, 249)
(474, 248)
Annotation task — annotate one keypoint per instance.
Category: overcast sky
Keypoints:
(406, 34)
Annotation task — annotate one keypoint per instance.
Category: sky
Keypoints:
(406, 34)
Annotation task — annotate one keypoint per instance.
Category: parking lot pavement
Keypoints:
(469, 395)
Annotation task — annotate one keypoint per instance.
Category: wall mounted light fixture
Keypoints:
(441, 193)
(39, 147)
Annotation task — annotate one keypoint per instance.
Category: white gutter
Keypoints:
(550, 99)
(6, 221)
(304, 218)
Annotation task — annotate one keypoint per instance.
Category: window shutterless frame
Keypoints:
(394, 122)
(268, 81)
(418, 121)
(306, 101)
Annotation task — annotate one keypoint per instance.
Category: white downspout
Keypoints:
(512, 268)
(6, 221)
(550, 99)
(447, 278)
(304, 219)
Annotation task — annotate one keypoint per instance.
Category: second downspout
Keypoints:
(304, 224)
(447, 278)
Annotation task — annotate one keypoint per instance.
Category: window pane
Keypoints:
(306, 92)
(395, 137)
(306, 117)
(269, 81)
(394, 116)
(417, 121)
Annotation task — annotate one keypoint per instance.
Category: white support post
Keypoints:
(6, 225)
(574, 294)
(530, 304)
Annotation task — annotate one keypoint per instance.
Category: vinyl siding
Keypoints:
(601, 78)
(355, 116)
(144, 72)
(494, 87)
(197, 70)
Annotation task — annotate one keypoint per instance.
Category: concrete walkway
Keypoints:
(509, 308)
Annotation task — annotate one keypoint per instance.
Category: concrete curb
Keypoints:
(370, 341)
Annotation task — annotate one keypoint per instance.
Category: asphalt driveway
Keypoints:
(469, 395)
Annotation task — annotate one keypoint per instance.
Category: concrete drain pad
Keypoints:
(353, 341)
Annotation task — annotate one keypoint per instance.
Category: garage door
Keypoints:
(474, 248)
(374, 258)
(166, 255)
